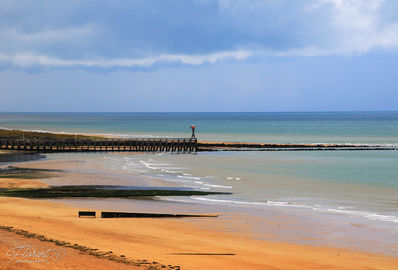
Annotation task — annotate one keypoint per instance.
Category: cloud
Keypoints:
(98, 33)
(29, 60)
(357, 26)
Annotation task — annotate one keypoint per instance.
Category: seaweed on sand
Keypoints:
(99, 191)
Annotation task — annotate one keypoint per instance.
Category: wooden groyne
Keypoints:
(100, 145)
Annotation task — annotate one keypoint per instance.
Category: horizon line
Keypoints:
(165, 112)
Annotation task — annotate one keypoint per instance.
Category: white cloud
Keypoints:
(261, 27)
(328, 27)
(29, 60)
(356, 26)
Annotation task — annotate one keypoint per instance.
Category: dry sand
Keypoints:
(59, 257)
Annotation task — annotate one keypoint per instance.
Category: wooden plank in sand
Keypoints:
(147, 215)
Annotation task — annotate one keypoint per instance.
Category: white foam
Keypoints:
(233, 178)
(189, 177)
(228, 201)
(162, 167)
(217, 186)
(266, 203)
(368, 215)
(174, 199)
(351, 213)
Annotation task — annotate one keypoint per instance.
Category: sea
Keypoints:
(355, 190)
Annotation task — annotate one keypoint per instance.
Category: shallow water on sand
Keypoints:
(363, 184)
(346, 199)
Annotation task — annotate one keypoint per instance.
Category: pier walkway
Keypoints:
(101, 145)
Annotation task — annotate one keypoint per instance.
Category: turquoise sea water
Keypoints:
(339, 127)
(361, 185)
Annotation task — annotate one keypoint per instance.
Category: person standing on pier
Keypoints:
(193, 131)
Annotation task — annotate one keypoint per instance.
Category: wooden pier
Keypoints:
(100, 145)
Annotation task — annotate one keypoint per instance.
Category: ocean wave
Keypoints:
(351, 213)
(189, 177)
(217, 186)
(233, 178)
(267, 203)
(368, 215)
(162, 167)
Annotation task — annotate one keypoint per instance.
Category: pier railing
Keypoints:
(101, 145)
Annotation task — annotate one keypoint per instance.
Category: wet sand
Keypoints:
(156, 240)
(21, 183)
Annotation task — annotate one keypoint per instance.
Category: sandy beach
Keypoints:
(199, 135)
(167, 242)
(58, 257)
(157, 240)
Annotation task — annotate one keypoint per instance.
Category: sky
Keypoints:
(198, 55)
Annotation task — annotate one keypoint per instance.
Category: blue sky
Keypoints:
(198, 55)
